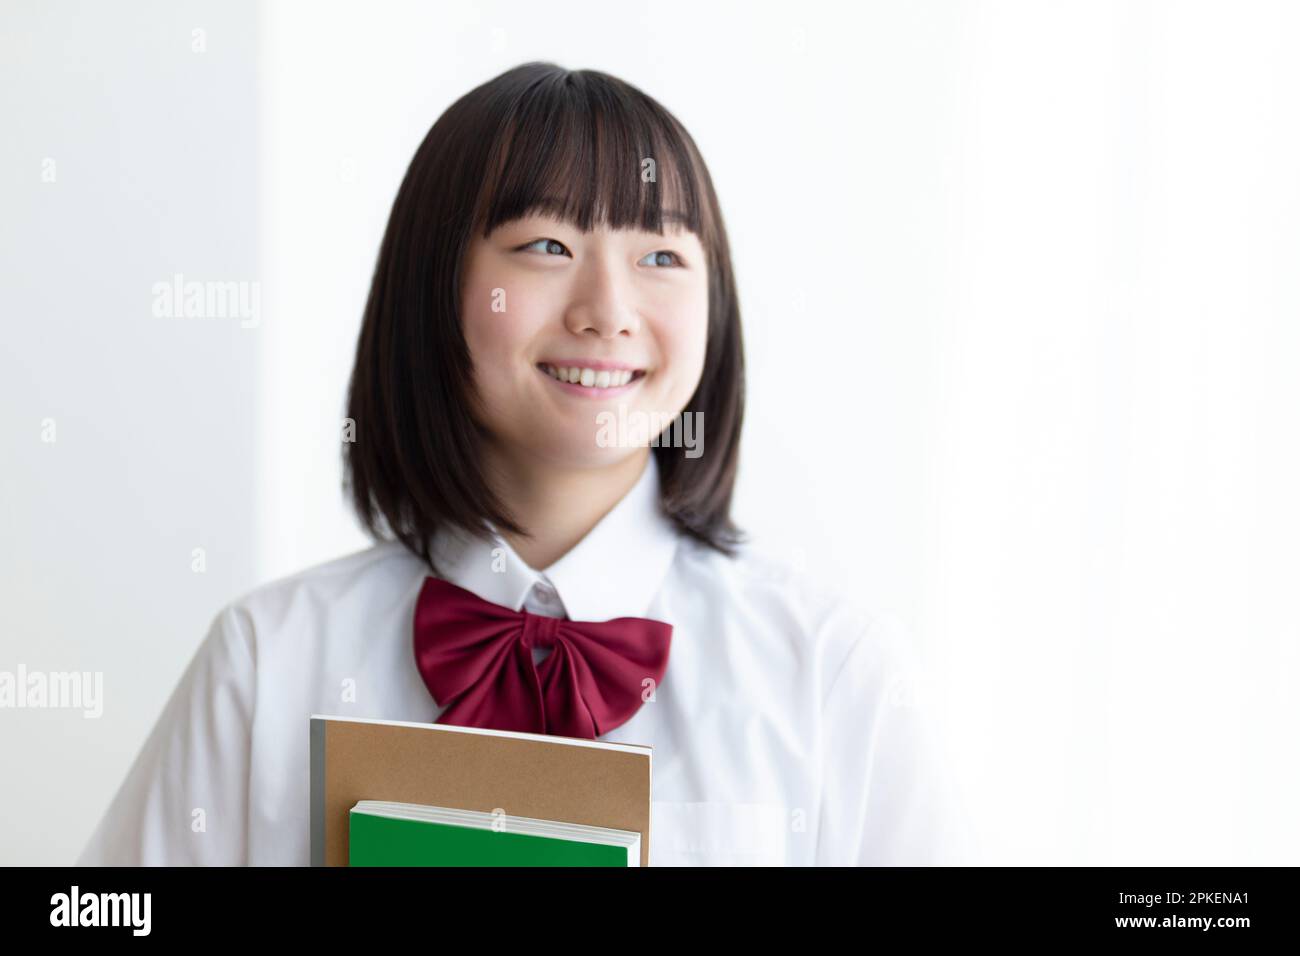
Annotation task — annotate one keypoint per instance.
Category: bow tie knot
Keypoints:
(539, 630)
(476, 659)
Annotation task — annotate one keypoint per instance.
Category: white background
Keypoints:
(1021, 309)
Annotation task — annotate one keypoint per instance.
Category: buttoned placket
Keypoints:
(543, 597)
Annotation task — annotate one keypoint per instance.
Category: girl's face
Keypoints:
(625, 312)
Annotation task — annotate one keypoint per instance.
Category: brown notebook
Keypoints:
(469, 768)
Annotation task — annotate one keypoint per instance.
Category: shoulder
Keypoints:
(355, 586)
(759, 573)
(776, 587)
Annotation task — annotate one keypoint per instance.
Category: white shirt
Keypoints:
(784, 729)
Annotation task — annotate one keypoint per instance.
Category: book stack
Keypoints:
(392, 793)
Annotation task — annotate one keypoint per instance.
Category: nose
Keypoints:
(602, 301)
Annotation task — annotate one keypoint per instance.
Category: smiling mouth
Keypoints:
(590, 377)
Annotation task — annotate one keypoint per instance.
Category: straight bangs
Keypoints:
(585, 149)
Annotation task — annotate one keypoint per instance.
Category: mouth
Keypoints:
(592, 382)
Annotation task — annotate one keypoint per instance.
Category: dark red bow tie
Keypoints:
(476, 658)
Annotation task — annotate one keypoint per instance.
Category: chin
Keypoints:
(572, 443)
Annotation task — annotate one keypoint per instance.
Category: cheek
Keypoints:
(700, 337)
(687, 336)
(497, 322)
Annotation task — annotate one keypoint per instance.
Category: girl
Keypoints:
(547, 400)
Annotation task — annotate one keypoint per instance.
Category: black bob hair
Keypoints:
(536, 138)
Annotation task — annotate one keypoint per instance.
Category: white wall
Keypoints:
(1020, 310)
(154, 173)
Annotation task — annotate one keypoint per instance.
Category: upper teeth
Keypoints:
(590, 377)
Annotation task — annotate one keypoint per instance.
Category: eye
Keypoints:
(661, 259)
(550, 247)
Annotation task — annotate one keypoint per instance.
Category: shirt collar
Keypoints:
(615, 571)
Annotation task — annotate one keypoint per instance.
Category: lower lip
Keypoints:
(584, 392)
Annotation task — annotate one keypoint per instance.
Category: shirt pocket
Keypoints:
(717, 833)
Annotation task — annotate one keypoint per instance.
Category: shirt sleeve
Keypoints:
(184, 801)
(888, 794)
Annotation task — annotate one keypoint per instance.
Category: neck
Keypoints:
(559, 505)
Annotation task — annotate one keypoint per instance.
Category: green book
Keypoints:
(381, 833)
